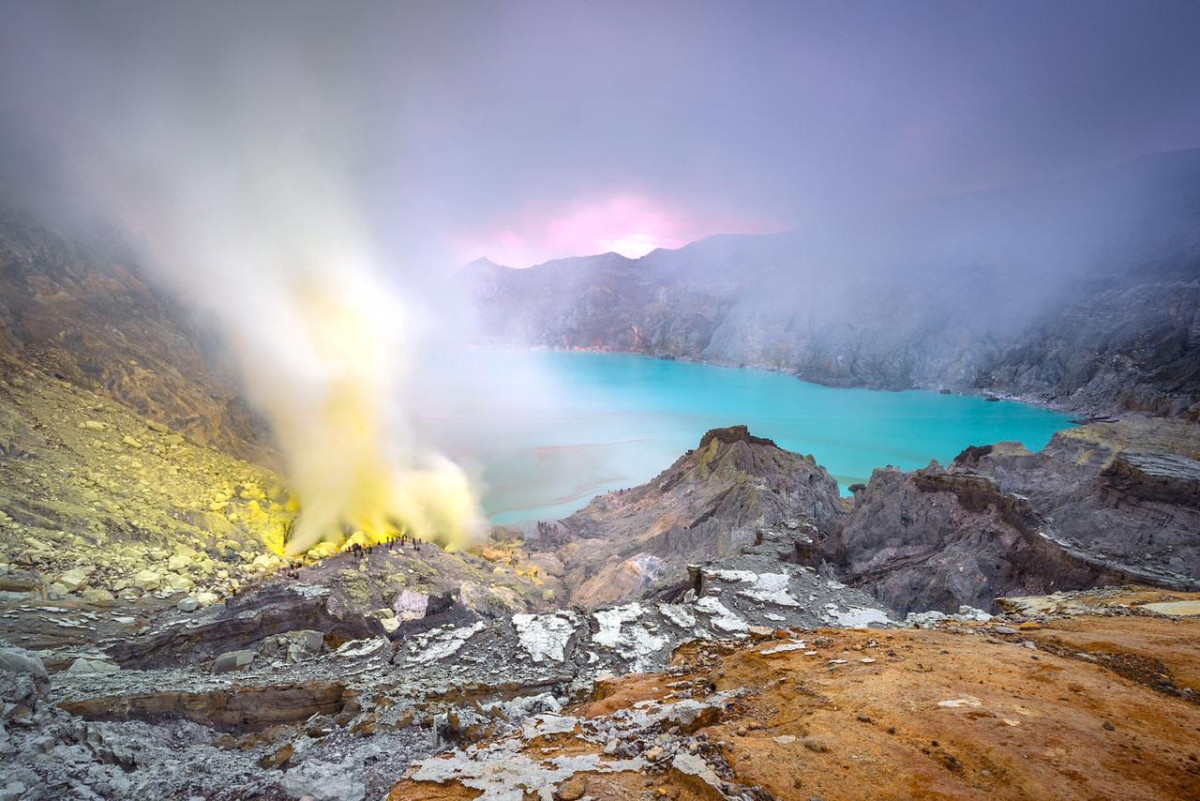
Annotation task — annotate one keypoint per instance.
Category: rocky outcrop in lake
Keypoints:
(727, 494)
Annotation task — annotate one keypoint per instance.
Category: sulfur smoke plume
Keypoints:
(236, 166)
(324, 343)
(270, 243)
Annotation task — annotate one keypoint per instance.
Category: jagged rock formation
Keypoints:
(1085, 294)
(938, 540)
(83, 313)
(1102, 504)
(711, 503)
(1123, 489)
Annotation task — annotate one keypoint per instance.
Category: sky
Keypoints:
(523, 131)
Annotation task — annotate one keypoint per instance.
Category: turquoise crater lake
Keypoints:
(546, 431)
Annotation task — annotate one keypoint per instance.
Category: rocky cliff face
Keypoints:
(1108, 503)
(1103, 504)
(1085, 294)
(1133, 348)
(82, 313)
(1124, 489)
(730, 492)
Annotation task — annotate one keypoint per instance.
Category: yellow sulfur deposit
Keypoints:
(352, 465)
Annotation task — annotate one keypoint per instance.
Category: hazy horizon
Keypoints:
(899, 206)
(528, 131)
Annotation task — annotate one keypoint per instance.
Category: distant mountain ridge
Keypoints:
(1084, 293)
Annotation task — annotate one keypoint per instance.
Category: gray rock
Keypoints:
(82, 665)
(302, 644)
(731, 488)
(22, 663)
(325, 781)
(936, 539)
(410, 605)
(233, 660)
(13, 791)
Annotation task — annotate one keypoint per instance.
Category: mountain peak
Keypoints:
(734, 434)
(482, 263)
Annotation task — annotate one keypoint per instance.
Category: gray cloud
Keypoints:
(462, 120)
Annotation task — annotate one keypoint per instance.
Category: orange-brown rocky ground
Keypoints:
(1092, 706)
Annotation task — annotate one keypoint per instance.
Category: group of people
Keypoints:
(362, 551)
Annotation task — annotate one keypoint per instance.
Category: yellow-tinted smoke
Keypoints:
(245, 199)
(349, 458)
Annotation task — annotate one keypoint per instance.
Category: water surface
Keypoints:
(548, 430)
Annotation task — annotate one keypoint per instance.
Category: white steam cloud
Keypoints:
(238, 183)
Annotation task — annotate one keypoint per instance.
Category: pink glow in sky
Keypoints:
(629, 224)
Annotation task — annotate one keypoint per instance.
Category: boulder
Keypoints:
(13, 791)
(322, 550)
(147, 580)
(265, 561)
(22, 663)
(177, 583)
(189, 604)
(233, 660)
(207, 598)
(325, 781)
(410, 605)
(303, 643)
(82, 665)
(74, 579)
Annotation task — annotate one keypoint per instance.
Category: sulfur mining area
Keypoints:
(1015, 624)
(731, 630)
(599, 401)
(157, 646)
